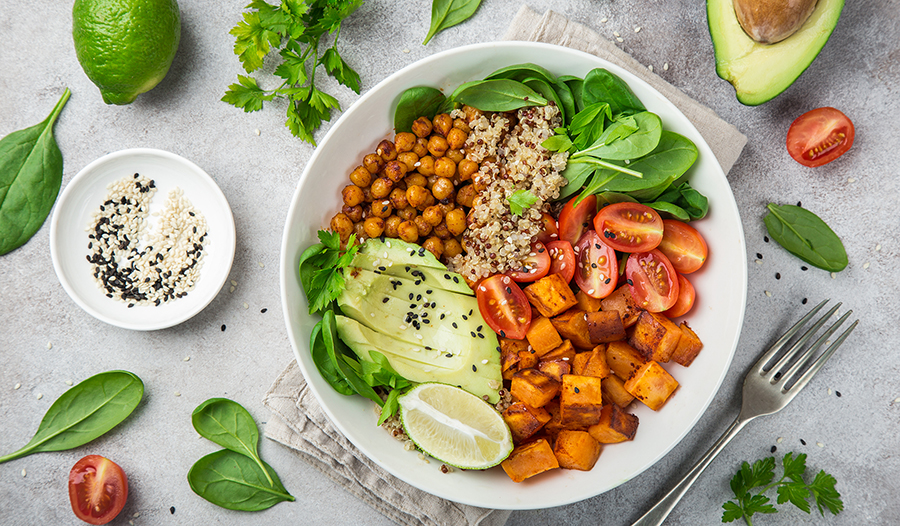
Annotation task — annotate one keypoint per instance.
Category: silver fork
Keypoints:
(767, 389)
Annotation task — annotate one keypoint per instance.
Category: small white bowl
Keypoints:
(87, 191)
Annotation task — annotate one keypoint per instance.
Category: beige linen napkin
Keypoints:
(299, 421)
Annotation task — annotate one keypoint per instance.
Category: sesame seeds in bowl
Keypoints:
(142, 239)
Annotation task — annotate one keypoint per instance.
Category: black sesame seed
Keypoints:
(803, 441)
(481, 335)
(172, 510)
(508, 290)
(418, 282)
(446, 276)
(766, 239)
(502, 333)
(470, 312)
(455, 326)
(607, 281)
(774, 449)
(799, 204)
(385, 300)
(382, 268)
(474, 369)
(465, 317)
(191, 214)
(758, 255)
(838, 393)
(777, 275)
(479, 328)
(577, 390)
(804, 268)
(455, 279)
(472, 333)
(411, 295)
(629, 282)
(418, 297)
(803, 301)
(426, 321)
(448, 355)
(442, 316)
(223, 325)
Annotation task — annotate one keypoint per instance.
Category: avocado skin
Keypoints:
(760, 72)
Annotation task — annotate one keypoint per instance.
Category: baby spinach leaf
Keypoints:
(322, 359)
(627, 138)
(228, 424)
(688, 199)
(31, 169)
(669, 210)
(611, 198)
(448, 13)
(390, 407)
(666, 163)
(566, 101)
(576, 173)
(521, 72)
(236, 482)
(85, 412)
(805, 235)
(337, 352)
(414, 103)
(588, 124)
(541, 86)
(601, 85)
(576, 86)
(499, 95)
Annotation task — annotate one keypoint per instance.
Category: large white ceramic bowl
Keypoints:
(717, 316)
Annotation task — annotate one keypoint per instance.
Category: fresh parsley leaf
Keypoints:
(321, 270)
(246, 95)
(826, 495)
(796, 494)
(732, 512)
(758, 504)
(520, 200)
(390, 406)
(794, 466)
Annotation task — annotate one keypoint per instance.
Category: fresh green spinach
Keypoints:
(417, 102)
(627, 138)
(236, 482)
(805, 235)
(85, 412)
(600, 85)
(228, 424)
(521, 72)
(547, 91)
(31, 169)
(671, 158)
(499, 95)
(682, 202)
(448, 13)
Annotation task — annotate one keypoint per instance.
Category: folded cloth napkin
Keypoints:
(299, 421)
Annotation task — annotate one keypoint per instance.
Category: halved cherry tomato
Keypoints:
(820, 136)
(685, 301)
(574, 220)
(98, 489)
(684, 246)
(653, 280)
(504, 306)
(562, 259)
(629, 227)
(535, 265)
(549, 232)
(597, 269)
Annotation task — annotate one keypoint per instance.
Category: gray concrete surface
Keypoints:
(45, 339)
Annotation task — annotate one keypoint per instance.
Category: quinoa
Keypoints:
(508, 148)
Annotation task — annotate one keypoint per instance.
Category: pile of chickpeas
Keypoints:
(416, 188)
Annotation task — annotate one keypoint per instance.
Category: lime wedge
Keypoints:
(455, 426)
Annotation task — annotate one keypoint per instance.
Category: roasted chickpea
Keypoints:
(471, 113)
(452, 248)
(426, 165)
(367, 194)
(466, 168)
(408, 214)
(352, 194)
(421, 147)
(416, 195)
(408, 232)
(429, 200)
(422, 127)
(435, 246)
(409, 159)
(456, 138)
(416, 178)
(440, 230)
(461, 124)
(390, 226)
(360, 231)
(361, 176)
(373, 163)
(456, 221)
(465, 196)
(456, 155)
(437, 145)
(479, 183)
(341, 224)
(433, 215)
(394, 170)
(443, 123)
(442, 188)
(386, 150)
(374, 226)
(404, 142)
(398, 198)
(446, 207)
(444, 167)
(424, 227)
(353, 212)
(381, 209)
(381, 187)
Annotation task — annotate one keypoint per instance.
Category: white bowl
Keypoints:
(87, 191)
(717, 316)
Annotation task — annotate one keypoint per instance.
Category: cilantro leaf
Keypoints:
(520, 200)
(246, 95)
(732, 512)
(340, 70)
(758, 504)
(253, 41)
(794, 467)
(825, 494)
(796, 494)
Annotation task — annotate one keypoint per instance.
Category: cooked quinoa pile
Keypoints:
(507, 146)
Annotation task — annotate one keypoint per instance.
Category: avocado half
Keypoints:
(759, 72)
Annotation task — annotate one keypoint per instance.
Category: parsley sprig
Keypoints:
(322, 269)
(294, 29)
(520, 200)
(791, 488)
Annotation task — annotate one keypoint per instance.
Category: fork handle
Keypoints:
(658, 513)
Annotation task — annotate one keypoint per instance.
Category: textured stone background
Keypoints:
(857, 72)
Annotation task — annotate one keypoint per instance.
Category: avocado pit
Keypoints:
(771, 21)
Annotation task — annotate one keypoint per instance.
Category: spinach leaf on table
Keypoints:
(31, 169)
(228, 424)
(805, 235)
(448, 13)
(417, 102)
(236, 482)
(85, 412)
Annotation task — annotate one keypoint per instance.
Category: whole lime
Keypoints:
(125, 46)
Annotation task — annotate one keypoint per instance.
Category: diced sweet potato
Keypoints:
(655, 336)
(623, 359)
(579, 361)
(565, 351)
(509, 353)
(528, 460)
(554, 426)
(555, 368)
(688, 346)
(576, 450)
(580, 401)
(622, 302)
(524, 421)
(596, 363)
(528, 359)
(586, 303)
(614, 426)
(614, 391)
(509, 373)
(542, 336)
(604, 326)
(533, 387)
(572, 325)
(652, 385)
(550, 295)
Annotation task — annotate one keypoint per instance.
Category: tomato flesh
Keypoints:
(629, 227)
(504, 306)
(684, 246)
(535, 266)
(685, 301)
(597, 269)
(549, 232)
(562, 259)
(653, 280)
(98, 489)
(574, 220)
(820, 136)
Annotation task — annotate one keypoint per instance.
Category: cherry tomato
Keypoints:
(504, 306)
(819, 136)
(98, 489)
(653, 280)
(535, 265)
(562, 259)
(550, 231)
(684, 246)
(629, 227)
(597, 268)
(574, 220)
(685, 301)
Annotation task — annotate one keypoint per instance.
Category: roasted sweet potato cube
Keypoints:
(586, 303)
(596, 363)
(533, 387)
(528, 359)
(509, 373)
(551, 295)
(572, 325)
(509, 353)
(579, 361)
(655, 336)
(652, 385)
(528, 460)
(565, 351)
(580, 401)
(614, 391)
(623, 359)
(604, 326)
(524, 421)
(614, 426)
(555, 368)
(542, 335)
(622, 302)
(576, 450)
(688, 346)
(554, 426)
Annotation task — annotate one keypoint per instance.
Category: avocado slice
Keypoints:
(401, 252)
(759, 72)
(432, 277)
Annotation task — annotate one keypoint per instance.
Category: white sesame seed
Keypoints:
(17, 386)
(897, 400)
(620, 39)
(759, 262)
(39, 396)
(650, 67)
(372, 314)
(603, 20)
(484, 361)
(590, 292)
(262, 265)
(851, 179)
(637, 29)
(186, 359)
(833, 275)
(769, 294)
(780, 440)
(406, 51)
(419, 336)
(256, 131)
(246, 306)
(615, 33)
(231, 289)
(137, 514)
(49, 346)
(402, 327)
(829, 391)
(820, 444)
(68, 382)
(177, 393)
(878, 247)
(24, 473)
(666, 66)
(234, 283)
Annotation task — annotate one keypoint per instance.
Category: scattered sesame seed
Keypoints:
(803, 441)
(246, 305)
(878, 247)
(17, 386)
(137, 514)
(24, 473)
(603, 20)
(263, 311)
(49, 346)
(838, 393)
(234, 283)
(231, 289)
(666, 66)
(759, 256)
(223, 327)
(897, 400)
(256, 131)
(829, 391)
(406, 51)
(615, 33)
(177, 393)
(769, 294)
(780, 440)
(820, 444)
(39, 396)
(866, 264)
(650, 67)
(620, 39)
(68, 382)
(833, 275)
(186, 359)
(851, 179)
(774, 449)
(262, 265)
(759, 262)
(637, 29)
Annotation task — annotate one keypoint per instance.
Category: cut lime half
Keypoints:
(455, 426)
